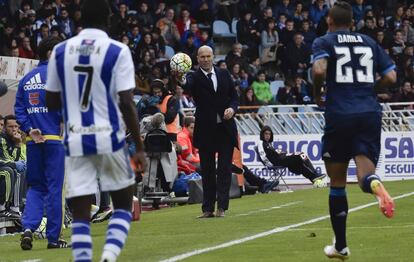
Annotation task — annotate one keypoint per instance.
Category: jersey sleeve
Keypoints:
(319, 50)
(384, 62)
(53, 83)
(124, 72)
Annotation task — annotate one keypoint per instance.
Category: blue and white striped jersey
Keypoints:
(89, 70)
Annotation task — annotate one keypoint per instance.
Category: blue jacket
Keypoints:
(30, 106)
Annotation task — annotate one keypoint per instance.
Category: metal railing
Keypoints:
(309, 119)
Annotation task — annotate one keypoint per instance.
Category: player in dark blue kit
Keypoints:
(45, 153)
(349, 63)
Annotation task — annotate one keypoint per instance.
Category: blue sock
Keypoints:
(81, 241)
(116, 233)
(338, 209)
(366, 182)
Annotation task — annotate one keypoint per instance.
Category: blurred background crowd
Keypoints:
(268, 41)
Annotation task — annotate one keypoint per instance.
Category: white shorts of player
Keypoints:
(109, 172)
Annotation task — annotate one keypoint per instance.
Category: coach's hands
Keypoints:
(37, 136)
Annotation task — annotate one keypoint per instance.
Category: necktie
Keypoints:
(211, 80)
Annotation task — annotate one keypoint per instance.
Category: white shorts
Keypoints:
(111, 172)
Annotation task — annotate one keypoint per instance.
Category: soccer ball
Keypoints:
(180, 63)
(40, 233)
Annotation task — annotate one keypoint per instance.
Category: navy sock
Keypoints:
(366, 182)
(338, 209)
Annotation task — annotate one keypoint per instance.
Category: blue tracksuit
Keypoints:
(45, 161)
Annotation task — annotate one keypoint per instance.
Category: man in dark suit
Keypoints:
(215, 129)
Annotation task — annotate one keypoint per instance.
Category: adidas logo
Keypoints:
(35, 80)
(34, 83)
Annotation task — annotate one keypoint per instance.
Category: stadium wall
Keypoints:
(395, 163)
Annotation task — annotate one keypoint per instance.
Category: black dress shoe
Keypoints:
(206, 215)
(220, 213)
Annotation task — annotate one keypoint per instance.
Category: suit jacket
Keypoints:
(209, 104)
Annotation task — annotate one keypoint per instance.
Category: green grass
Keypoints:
(173, 231)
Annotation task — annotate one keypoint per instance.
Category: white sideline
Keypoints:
(268, 209)
(266, 233)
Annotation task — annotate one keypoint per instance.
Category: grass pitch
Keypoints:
(170, 232)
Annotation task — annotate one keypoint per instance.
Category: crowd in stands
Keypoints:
(274, 39)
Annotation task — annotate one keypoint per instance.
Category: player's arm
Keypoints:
(22, 116)
(124, 77)
(319, 68)
(386, 80)
(386, 68)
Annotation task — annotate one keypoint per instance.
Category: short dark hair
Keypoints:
(45, 46)
(188, 120)
(8, 118)
(341, 13)
(95, 13)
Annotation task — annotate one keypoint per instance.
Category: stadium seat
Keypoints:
(221, 29)
(169, 51)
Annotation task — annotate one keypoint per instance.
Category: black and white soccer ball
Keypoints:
(180, 63)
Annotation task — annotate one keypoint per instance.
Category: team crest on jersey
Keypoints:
(34, 98)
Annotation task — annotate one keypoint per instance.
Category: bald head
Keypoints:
(205, 57)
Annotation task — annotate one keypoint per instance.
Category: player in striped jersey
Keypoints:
(89, 75)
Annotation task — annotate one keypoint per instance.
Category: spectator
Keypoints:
(118, 23)
(358, 10)
(382, 41)
(269, 42)
(15, 52)
(287, 33)
(397, 47)
(317, 11)
(303, 90)
(285, 7)
(144, 45)
(247, 33)
(226, 10)
(297, 57)
(221, 64)
(144, 17)
(297, 15)
(369, 27)
(308, 34)
(196, 35)
(66, 24)
(281, 22)
(169, 30)
(6, 37)
(184, 22)
(190, 48)
(185, 140)
(42, 33)
(25, 50)
(261, 89)
(235, 57)
(405, 94)
(160, 11)
(168, 106)
(248, 98)
(396, 21)
(235, 73)
(407, 31)
(262, 21)
(204, 14)
(288, 95)
(183, 100)
(205, 39)
(13, 156)
(134, 36)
